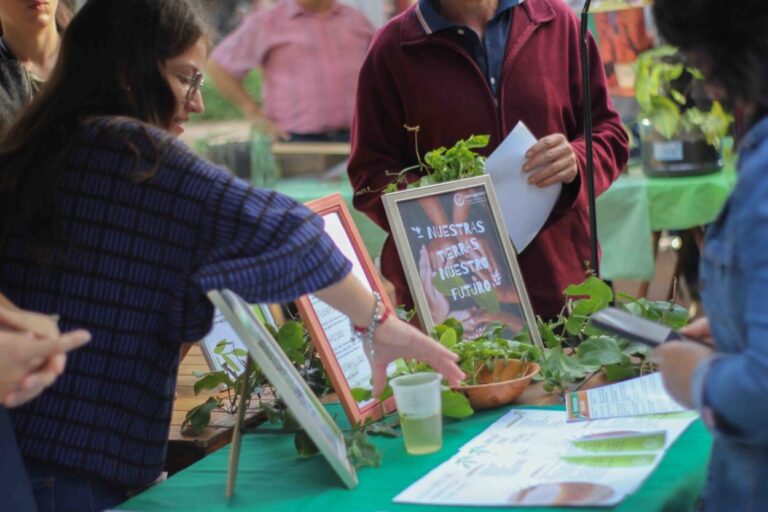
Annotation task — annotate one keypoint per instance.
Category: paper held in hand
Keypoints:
(525, 207)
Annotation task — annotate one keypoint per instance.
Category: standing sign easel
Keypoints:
(288, 384)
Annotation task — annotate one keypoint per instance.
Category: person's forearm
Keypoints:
(351, 298)
(4, 302)
(234, 91)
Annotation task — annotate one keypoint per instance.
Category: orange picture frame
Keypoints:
(342, 355)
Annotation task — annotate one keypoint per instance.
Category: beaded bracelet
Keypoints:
(380, 314)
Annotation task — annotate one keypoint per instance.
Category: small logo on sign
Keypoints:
(458, 199)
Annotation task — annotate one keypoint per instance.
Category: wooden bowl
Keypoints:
(506, 382)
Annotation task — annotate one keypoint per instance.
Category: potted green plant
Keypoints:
(681, 132)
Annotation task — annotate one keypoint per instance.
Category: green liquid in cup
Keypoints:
(422, 434)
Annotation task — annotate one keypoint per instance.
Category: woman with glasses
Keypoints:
(109, 221)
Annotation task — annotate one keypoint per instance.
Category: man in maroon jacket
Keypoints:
(461, 67)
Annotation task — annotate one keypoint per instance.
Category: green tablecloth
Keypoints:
(307, 189)
(272, 478)
(635, 205)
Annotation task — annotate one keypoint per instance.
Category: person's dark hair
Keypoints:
(110, 63)
(729, 39)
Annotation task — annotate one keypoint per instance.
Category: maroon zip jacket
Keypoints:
(414, 78)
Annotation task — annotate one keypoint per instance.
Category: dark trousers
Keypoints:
(15, 491)
(62, 491)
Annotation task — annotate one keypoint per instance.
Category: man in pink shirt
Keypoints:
(310, 53)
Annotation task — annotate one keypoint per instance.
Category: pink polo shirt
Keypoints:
(310, 63)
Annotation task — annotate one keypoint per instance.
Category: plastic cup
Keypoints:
(418, 403)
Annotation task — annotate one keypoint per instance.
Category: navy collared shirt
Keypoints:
(488, 53)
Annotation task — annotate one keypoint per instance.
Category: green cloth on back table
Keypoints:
(273, 478)
(307, 189)
(635, 205)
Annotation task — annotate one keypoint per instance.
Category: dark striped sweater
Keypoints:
(133, 262)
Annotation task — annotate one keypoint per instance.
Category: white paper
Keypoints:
(525, 207)
(533, 457)
(347, 348)
(643, 395)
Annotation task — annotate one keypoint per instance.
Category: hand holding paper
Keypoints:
(551, 160)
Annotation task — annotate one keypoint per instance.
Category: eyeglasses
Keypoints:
(193, 84)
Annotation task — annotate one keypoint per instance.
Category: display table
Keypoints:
(273, 478)
(636, 206)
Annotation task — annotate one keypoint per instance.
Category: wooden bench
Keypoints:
(311, 148)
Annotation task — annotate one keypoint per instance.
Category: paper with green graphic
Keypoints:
(534, 457)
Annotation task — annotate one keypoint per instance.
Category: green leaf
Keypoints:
(556, 362)
(622, 371)
(665, 116)
(448, 338)
(290, 336)
(199, 417)
(211, 381)
(305, 447)
(678, 97)
(360, 451)
(598, 294)
(229, 361)
(455, 404)
(636, 349)
(551, 340)
(478, 141)
(361, 394)
(600, 351)
(239, 352)
(220, 347)
(385, 394)
(575, 323)
(456, 326)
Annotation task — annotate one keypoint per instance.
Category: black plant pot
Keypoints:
(689, 156)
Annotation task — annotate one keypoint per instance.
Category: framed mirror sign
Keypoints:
(341, 351)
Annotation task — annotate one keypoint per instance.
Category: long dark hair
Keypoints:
(110, 63)
(729, 39)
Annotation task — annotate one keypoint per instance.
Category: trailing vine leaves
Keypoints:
(441, 164)
(294, 340)
(576, 349)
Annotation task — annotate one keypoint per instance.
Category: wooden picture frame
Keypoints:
(452, 232)
(342, 353)
(289, 385)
